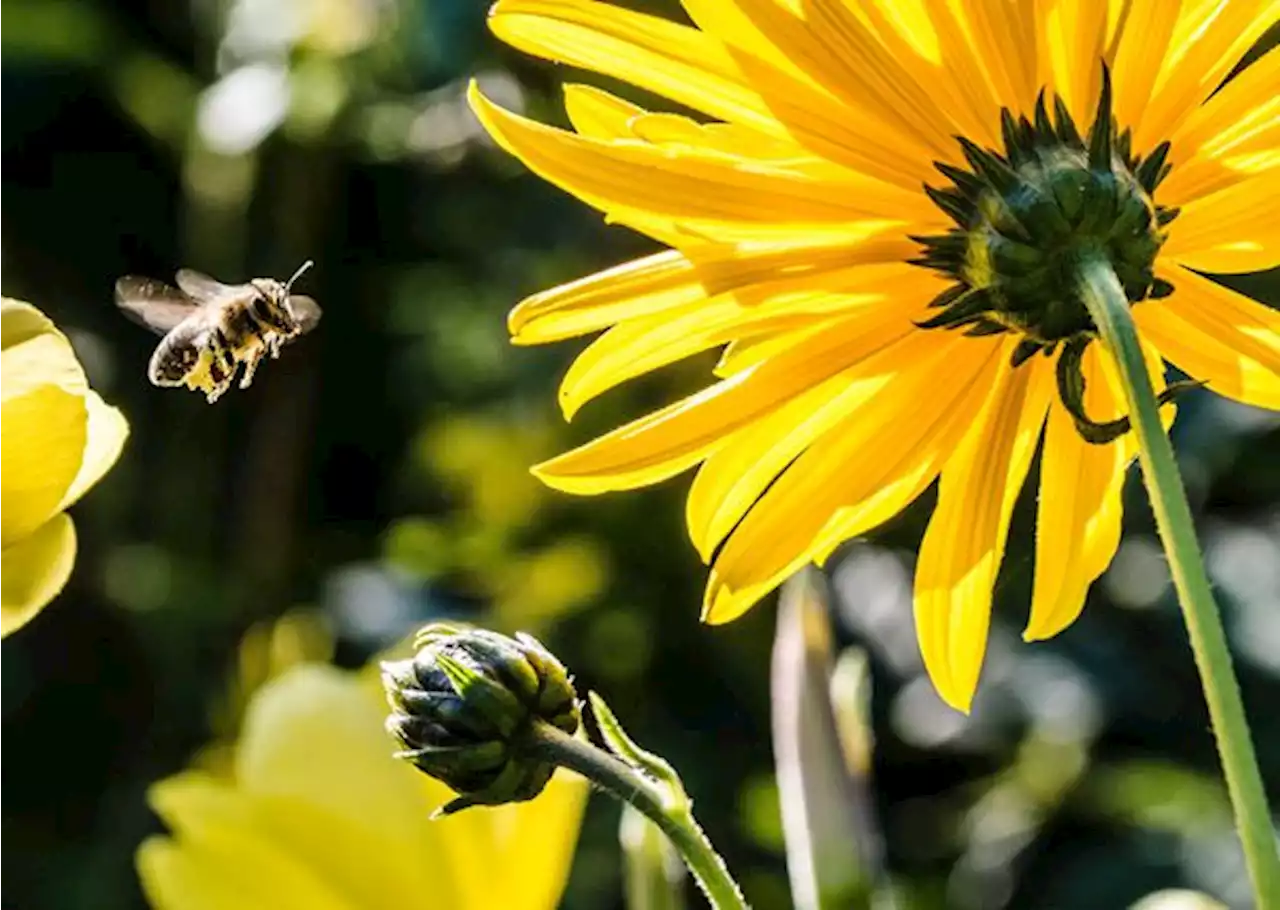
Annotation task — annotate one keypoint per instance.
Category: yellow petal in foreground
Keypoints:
(863, 469)
(965, 540)
(225, 854)
(35, 569)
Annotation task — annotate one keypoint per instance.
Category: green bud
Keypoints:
(462, 703)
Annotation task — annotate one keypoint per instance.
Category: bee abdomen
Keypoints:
(174, 358)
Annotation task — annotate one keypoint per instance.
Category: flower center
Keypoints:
(1025, 219)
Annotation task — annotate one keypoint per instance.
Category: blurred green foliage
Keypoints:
(376, 477)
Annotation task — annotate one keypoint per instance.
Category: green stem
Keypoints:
(625, 783)
(1110, 311)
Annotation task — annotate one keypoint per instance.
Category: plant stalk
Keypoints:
(627, 784)
(1109, 308)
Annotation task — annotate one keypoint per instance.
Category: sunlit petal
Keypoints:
(34, 571)
(964, 543)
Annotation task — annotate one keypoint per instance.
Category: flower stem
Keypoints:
(627, 784)
(1109, 308)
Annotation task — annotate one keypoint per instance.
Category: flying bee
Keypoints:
(211, 328)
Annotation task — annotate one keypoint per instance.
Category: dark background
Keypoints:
(376, 476)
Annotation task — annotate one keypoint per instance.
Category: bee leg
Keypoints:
(221, 374)
(214, 390)
(251, 362)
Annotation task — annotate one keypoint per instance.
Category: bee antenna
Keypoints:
(302, 268)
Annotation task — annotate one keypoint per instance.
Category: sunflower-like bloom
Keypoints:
(316, 813)
(59, 438)
(878, 217)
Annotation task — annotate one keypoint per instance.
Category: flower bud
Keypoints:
(462, 704)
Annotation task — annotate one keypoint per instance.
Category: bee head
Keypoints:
(275, 295)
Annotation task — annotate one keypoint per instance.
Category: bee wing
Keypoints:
(203, 289)
(153, 303)
(305, 310)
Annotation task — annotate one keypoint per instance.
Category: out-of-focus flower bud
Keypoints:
(1178, 899)
(462, 703)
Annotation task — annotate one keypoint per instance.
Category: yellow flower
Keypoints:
(798, 223)
(58, 439)
(315, 813)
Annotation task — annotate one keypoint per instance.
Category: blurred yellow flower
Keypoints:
(58, 439)
(315, 813)
(804, 244)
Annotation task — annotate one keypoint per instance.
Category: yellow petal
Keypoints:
(20, 321)
(1075, 38)
(517, 856)
(866, 466)
(1080, 505)
(105, 434)
(680, 435)
(177, 879)
(221, 857)
(315, 735)
(744, 353)
(1234, 136)
(35, 353)
(694, 68)
(826, 127)
(964, 543)
(1079, 508)
(672, 60)
(832, 414)
(540, 842)
(34, 571)
(640, 288)
(1232, 230)
(667, 280)
(1006, 40)
(1207, 42)
(42, 438)
(643, 345)
(1214, 334)
(973, 102)
(1139, 54)
(696, 187)
(838, 52)
(738, 33)
(597, 113)
(352, 857)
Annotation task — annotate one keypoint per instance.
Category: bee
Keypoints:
(210, 329)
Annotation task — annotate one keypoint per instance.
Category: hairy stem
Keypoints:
(1110, 311)
(627, 784)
